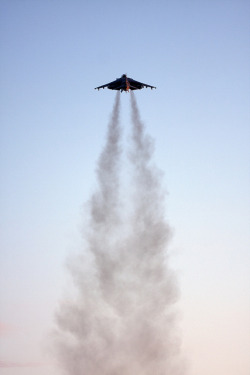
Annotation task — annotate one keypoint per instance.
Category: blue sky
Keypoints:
(53, 123)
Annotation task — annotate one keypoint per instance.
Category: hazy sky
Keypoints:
(53, 123)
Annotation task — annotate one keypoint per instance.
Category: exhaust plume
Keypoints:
(122, 320)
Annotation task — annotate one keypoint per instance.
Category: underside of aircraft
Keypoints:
(125, 84)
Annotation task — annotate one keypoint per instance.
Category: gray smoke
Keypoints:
(122, 320)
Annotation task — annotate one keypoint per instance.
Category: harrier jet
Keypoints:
(125, 84)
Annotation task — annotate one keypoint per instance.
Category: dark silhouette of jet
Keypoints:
(125, 84)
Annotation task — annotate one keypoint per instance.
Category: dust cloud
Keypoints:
(122, 320)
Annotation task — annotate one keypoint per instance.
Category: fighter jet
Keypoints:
(125, 84)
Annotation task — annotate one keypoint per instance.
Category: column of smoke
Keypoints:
(122, 321)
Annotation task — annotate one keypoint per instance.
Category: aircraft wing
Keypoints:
(114, 85)
(101, 87)
(135, 85)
